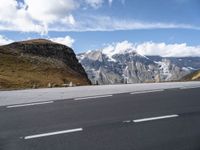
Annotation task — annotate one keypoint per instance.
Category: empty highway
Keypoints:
(167, 119)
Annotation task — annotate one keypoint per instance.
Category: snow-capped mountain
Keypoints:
(113, 66)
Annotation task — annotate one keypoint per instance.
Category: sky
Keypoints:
(151, 27)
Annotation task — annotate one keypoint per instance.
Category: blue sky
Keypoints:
(93, 24)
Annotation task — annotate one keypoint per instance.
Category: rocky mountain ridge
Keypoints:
(127, 66)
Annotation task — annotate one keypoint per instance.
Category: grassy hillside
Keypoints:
(27, 71)
(195, 76)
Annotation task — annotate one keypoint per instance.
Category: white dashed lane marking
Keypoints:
(29, 104)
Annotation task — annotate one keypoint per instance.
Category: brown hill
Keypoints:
(39, 63)
(194, 76)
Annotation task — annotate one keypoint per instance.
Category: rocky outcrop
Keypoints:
(39, 63)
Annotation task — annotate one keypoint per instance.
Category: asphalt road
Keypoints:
(155, 120)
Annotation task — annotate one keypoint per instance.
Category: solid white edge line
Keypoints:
(155, 118)
(151, 91)
(52, 133)
(91, 97)
(29, 104)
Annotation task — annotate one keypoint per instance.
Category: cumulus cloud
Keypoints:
(118, 48)
(4, 40)
(49, 11)
(35, 15)
(168, 50)
(151, 48)
(68, 41)
(14, 17)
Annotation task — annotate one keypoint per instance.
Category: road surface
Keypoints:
(167, 119)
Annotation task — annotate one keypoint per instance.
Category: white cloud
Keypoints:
(4, 40)
(151, 48)
(14, 17)
(168, 50)
(68, 41)
(49, 11)
(35, 15)
(106, 23)
(118, 48)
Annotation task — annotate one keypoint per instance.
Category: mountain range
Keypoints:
(127, 66)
